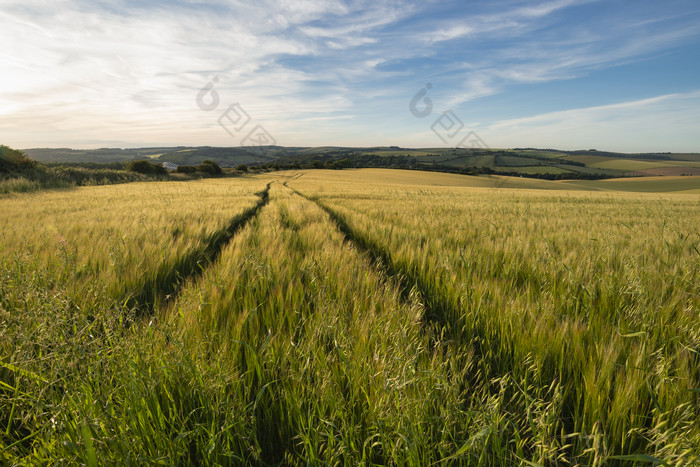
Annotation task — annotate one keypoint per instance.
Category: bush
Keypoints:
(210, 167)
(335, 165)
(145, 167)
(186, 169)
(242, 167)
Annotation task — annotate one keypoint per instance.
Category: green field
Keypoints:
(645, 184)
(366, 316)
(538, 169)
(632, 165)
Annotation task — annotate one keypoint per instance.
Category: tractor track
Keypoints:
(167, 283)
(437, 310)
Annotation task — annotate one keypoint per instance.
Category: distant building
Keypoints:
(170, 166)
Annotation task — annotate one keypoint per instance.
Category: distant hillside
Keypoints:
(526, 162)
(177, 155)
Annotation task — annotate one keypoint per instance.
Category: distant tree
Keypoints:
(186, 169)
(210, 167)
(145, 167)
(242, 167)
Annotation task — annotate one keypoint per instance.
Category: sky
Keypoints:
(618, 75)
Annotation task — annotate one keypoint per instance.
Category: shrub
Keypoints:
(242, 167)
(186, 169)
(210, 167)
(145, 167)
(335, 165)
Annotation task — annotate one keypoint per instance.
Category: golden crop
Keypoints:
(369, 316)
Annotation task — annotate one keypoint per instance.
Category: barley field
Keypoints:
(373, 317)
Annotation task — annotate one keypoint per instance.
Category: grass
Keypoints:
(464, 161)
(349, 317)
(539, 153)
(18, 185)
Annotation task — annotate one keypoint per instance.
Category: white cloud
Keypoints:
(76, 71)
(662, 123)
(581, 52)
(82, 68)
(513, 21)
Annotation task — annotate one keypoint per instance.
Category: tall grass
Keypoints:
(18, 185)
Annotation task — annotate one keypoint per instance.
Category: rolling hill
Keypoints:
(526, 162)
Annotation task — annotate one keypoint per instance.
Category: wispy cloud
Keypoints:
(508, 21)
(544, 53)
(82, 61)
(77, 70)
(660, 123)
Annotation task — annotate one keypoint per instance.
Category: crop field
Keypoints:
(370, 317)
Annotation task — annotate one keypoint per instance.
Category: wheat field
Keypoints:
(370, 317)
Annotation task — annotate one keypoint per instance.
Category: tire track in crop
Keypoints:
(490, 346)
(166, 284)
(438, 310)
(444, 318)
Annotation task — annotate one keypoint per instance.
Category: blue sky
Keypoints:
(609, 74)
